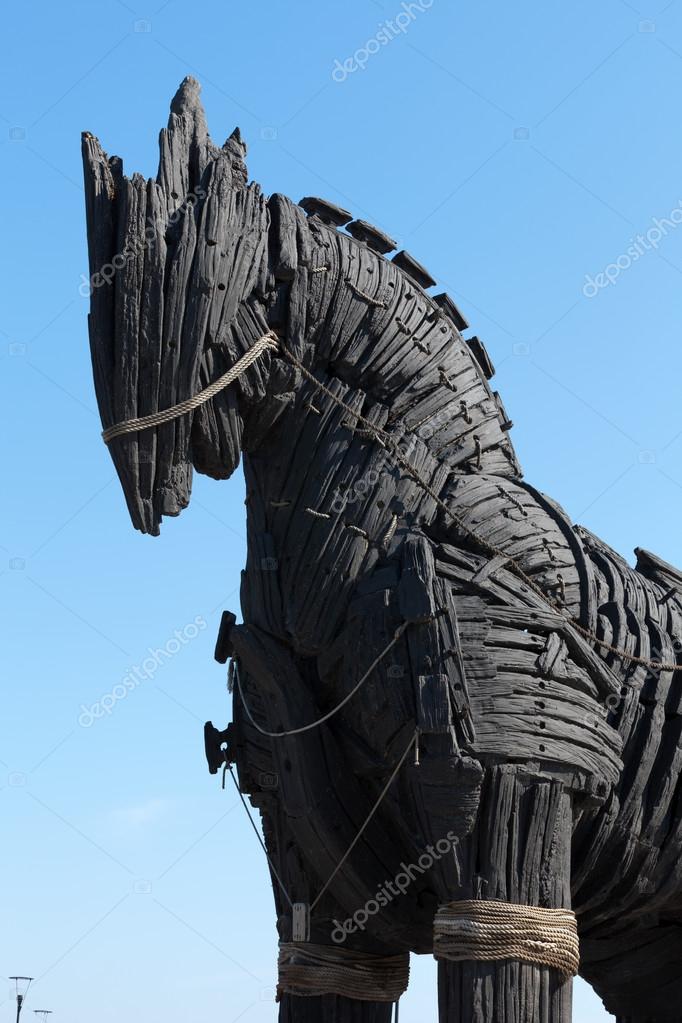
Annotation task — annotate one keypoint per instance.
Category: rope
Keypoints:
(266, 343)
(262, 843)
(477, 931)
(387, 442)
(320, 721)
(308, 970)
(363, 294)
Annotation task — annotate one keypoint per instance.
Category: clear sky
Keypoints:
(513, 149)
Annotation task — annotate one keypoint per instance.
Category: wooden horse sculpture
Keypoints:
(458, 715)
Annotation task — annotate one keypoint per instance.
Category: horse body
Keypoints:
(530, 745)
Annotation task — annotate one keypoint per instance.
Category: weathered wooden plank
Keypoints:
(328, 212)
(415, 589)
(100, 209)
(410, 265)
(283, 240)
(372, 236)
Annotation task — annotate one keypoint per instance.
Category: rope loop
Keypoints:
(488, 931)
(307, 969)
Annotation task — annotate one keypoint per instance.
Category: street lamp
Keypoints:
(21, 985)
(42, 1014)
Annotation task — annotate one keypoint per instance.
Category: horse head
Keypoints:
(177, 266)
(190, 270)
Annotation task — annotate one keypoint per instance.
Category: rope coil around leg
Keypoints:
(476, 930)
(306, 970)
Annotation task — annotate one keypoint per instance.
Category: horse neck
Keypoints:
(324, 498)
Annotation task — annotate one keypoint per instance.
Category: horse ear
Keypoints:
(235, 147)
(185, 147)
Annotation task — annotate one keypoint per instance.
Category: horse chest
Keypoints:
(316, 527)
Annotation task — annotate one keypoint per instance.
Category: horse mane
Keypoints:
(367, 319)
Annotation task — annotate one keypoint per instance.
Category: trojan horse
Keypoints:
(457, 714)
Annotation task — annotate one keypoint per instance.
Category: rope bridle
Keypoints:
(271, 342)
(268, 342)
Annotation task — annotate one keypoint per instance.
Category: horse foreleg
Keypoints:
(519, 853)
(332, 1009)
(500, 992)
(312, 1008)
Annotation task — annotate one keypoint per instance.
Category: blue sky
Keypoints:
(513, 149)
